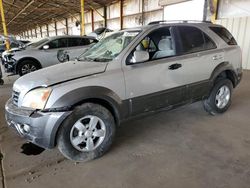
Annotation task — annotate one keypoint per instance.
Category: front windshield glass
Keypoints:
(38, 43)
(110, 47)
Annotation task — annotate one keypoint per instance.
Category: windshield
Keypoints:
(110, 47)
(40, 42)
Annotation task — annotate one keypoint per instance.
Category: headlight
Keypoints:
(36, 98)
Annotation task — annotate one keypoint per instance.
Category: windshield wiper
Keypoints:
(102, 59)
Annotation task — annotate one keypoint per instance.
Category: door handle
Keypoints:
(175, 66)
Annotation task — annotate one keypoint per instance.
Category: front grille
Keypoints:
(15, 97)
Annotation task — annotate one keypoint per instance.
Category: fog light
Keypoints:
(26, 128)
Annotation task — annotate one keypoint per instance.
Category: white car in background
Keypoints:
(47, 52)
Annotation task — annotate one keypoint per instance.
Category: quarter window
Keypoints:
(194, 40)
(225, 35)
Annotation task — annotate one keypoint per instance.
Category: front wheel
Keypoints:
(87, 133)
(27, 67)
(220, 97)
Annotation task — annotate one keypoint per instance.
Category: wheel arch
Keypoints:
(97, 95)
(27, 59)
(224, 70)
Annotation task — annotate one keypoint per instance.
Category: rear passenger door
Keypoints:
(198, 56)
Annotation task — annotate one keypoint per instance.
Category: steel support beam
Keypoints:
(82, 18)
(92, 8)
(214, 4)
(121, 13)
(56, 28)
(20, 12)
(41, 32)
(105, 16)
(47, 29)
(92, 20)
(67, 26)
(4, 25)
(35, 32)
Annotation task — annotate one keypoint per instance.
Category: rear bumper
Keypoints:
(36, 127)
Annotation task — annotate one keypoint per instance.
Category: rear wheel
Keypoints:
(26, 67)
(1, 81)
(87, 133)
(219, 99)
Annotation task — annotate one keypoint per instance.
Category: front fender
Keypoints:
(92, 94)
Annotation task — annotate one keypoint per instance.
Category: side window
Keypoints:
(225, 35)
(73, 42)
(209, 44)
(14, 45)
(58, 43)
(194, 40)
(158, 44)
(84, 42)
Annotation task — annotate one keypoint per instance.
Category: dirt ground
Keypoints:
(185, 147)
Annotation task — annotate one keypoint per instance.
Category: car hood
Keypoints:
(57, 74)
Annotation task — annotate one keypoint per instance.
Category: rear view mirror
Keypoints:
(46, 47)
(140, 56)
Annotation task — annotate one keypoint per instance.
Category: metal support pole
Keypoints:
(121, 14)
(82, 18)
(105, 16)
(142, 13)
(41, 32)
(67, 26)
(47, 28)
(56, 28)
(92, 20)
(35, 32)
(4, 25)
(215, 10)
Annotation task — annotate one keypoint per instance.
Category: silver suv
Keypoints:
(78, 105)
(46, 52)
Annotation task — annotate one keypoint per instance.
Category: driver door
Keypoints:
(49, 57)
(153, 85)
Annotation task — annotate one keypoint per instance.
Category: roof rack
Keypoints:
(178, 21)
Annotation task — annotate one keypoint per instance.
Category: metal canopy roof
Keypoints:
(21, 15)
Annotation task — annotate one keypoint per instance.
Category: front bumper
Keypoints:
(10, 65)
(35, 126)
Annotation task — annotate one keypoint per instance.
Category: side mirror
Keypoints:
(140, 56)
(46, 47)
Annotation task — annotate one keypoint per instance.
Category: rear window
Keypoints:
(225, 35)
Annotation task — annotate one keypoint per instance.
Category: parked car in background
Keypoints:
(13, 44)
(44, 53)
(7, 54)
(25, 41)
(78, 105)
(1, 76)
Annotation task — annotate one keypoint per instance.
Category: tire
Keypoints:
(26, 67)
(68, 133)
(220, 97)
(1, 81)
